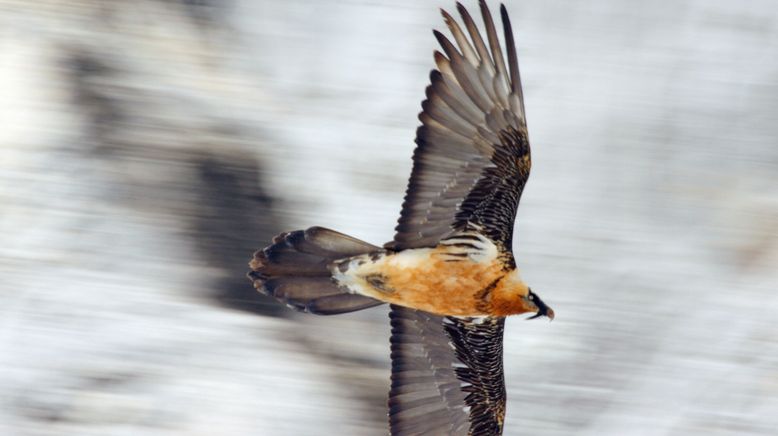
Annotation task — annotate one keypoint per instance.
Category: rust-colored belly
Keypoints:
(433, 280)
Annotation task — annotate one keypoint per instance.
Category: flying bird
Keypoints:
(449, 275)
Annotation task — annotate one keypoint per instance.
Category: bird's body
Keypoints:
(449, 274)
(464, 275)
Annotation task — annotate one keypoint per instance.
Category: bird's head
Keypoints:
(511, 296)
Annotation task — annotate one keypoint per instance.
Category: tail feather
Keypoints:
(300, 288)
(341, 303)
(327, 243)
(295, 269)
(287, 262)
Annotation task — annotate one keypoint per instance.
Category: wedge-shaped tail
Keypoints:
(295, 269)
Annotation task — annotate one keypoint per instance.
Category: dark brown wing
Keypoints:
(470, 166)
(472, 157)
(447, 375)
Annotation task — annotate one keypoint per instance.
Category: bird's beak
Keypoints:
(543, 310)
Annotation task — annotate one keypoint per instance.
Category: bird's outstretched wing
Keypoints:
(470, 167)
(447, 375)
(472, 157)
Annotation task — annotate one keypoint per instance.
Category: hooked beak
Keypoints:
(543, 310)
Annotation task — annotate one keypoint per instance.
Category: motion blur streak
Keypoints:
(147, 146)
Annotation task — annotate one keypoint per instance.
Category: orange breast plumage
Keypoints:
(462, 276)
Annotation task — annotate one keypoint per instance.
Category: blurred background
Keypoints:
(148, 147)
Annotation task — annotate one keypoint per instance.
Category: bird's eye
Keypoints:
(532, 297)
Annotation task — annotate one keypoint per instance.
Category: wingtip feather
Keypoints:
(513, 61)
